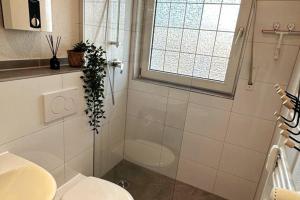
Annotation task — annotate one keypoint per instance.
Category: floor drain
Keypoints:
(124, 184)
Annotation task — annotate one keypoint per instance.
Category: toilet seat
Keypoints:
(92, 188)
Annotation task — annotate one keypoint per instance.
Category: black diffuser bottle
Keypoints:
(54, 61)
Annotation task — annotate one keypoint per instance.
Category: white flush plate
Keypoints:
(59, 104)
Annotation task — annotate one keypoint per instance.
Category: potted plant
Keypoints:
(76, 55)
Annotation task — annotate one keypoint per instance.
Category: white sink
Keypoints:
(21, 179)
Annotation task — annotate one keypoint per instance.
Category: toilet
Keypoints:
(91, 188)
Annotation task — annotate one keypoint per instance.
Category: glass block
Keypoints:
(232, 1)
(177, 15)
(162, 14)
(189, 41)
(218, 69)
(195, 1)
(193, 16)
(223, 44)
(157, 60)
(202, 66)
(210, 16)
(160, 38)
(186, 64)
(171, 62)
(206, 42)
(228, 18)
(213, 1)
(174, 39)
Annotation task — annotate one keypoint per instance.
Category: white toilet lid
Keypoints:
(96, 189)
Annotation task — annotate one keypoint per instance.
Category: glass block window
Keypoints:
(194, 37)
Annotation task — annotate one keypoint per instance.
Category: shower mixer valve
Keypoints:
(117, 63)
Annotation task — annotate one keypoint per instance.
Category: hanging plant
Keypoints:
(93, 84)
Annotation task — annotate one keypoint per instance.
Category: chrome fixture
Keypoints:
(116, 63)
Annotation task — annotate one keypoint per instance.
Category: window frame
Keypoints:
(226, 87)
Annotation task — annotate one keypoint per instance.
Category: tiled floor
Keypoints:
(147, 185)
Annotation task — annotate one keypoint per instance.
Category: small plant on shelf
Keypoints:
(93, 83)
(76, 55)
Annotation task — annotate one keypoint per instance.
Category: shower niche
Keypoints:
(27, 15)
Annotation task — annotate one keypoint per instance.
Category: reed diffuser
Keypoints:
(54, 46)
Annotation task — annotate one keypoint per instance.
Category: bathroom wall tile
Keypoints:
(78, 136)
(234, 188)
(250, 132)
(72, 80)
(242, 162)
(95, 13)
(169, 170)
(143, 129)
(95, 34)
(179, 94)
(260, 100)
(176, 113)
(172, 139)
(143, 105)
(207, 121)
(45, 148)
(271, 70)
(148, 88)
(196, 175)
(117, 130)
(265, 68)
(270, 12)
(211, 101)
(202, 150)
(59, 175)
(22, 103)
(81, 164)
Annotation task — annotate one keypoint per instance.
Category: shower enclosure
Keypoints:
(144, 162)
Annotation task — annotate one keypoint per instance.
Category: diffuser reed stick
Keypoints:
(54, 46)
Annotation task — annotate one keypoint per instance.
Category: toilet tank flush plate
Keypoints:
(59, 104)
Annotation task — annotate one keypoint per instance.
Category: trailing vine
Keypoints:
(93, 84)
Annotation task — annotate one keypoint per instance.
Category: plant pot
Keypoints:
(76, 59)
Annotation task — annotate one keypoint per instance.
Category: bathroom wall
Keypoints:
(64, 147)
(110, 143)
(225, 142)
(15, 45)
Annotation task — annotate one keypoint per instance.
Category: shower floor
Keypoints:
(144, 184)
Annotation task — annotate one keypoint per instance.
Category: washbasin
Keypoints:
(21, 179)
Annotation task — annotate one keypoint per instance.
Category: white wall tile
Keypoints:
(179, 94)
(197, 175)
(242, 162)
(148, 88)
(270, 12)
(83, 164)
(45, 148)
(172, 139)
(211, 101)
(250, 132)
(234, 188)
(271, 70)
(143, 105)
(78, 136)
(207, 121)
(202, 150)
(176, 113)
(259, 101)
(137, 128)
(21, 103)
